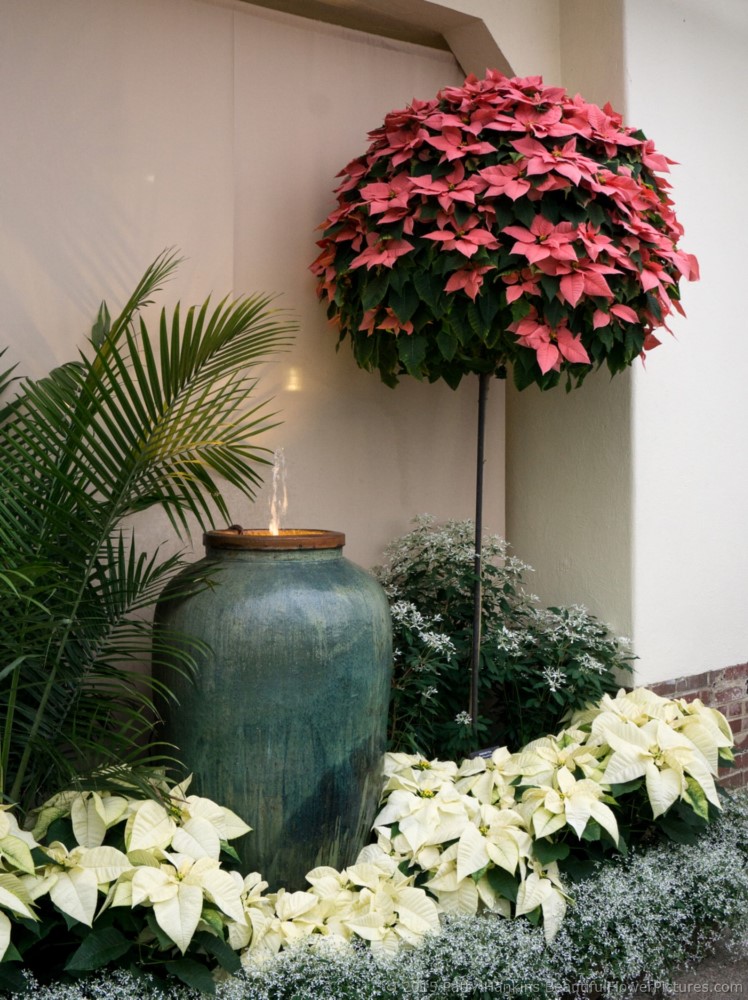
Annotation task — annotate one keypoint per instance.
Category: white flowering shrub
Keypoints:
(107, 878)
(536, 663)
(509, 833)
(113, 879)
(636, 920)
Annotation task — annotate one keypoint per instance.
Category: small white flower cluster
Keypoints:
(554, 658)
(573, 624)
(407, 614)
(566, 630)
(431, 548)
(652, 910)
(555, 678)
(509, 641)
(588, 662)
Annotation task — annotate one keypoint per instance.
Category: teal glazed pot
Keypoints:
(286, 720)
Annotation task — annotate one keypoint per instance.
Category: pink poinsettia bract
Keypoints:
(502, 224)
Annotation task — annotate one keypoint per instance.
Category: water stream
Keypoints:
(279, 495)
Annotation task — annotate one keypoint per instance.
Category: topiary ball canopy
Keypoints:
(503, 224)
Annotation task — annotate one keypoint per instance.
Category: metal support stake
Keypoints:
(477, 591)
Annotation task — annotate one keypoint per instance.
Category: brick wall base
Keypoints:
(727, 691)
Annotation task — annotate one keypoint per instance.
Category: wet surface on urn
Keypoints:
(286, 720)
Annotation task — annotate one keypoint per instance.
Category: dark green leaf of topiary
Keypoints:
(412, 352)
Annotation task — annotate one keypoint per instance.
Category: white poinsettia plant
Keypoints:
(484, 835)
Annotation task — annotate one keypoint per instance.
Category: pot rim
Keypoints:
(287, 539)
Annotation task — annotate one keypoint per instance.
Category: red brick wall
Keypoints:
(726, 690)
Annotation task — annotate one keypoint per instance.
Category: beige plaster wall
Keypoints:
(569, 458)
(219, 127)
(361, 457)
(113, 148)
(627, 495)
(686, 76)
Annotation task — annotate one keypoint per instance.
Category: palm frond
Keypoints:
(6, 378)
(133, 423)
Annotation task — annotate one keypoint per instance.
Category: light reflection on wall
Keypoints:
(294, 382)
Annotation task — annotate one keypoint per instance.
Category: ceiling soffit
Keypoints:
(420, 21)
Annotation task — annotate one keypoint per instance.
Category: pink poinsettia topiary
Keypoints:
(503, 224)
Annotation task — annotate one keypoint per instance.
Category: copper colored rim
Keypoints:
(287, 538)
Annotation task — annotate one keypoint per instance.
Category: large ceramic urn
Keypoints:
(285, 720)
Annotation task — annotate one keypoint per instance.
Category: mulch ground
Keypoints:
(723, 974)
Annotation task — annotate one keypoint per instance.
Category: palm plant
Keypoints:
(138, 421)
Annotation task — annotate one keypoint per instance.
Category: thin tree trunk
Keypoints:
(478, 590)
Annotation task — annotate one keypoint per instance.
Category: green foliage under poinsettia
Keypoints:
(112, 879)
(537, 664)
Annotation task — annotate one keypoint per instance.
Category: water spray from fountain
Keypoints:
(279, 496)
